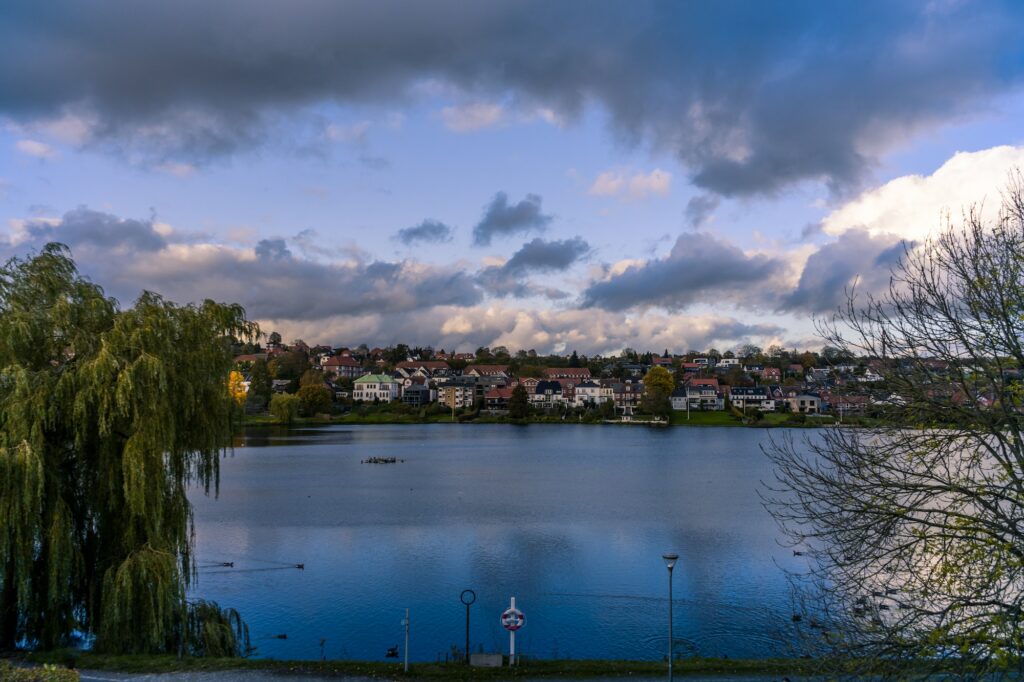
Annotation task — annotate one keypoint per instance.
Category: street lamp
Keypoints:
(670, 563)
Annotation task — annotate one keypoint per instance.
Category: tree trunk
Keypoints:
(8, 609)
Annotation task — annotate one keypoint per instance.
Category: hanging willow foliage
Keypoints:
(107, 416)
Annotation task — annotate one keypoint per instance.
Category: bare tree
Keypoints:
(913, 529)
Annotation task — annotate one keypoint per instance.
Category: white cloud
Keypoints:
(607, 184)
(657, 182)
(469, 118)
(40, 150)
(636, 186)
(912, 206)
(181, 170)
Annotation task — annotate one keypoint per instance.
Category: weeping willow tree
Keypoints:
(107, 416)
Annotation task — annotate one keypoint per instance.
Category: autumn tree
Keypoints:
(314, 399)
(658, 386)
(107, 416)
(914, 529)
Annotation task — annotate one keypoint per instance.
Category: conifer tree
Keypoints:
(107, 416)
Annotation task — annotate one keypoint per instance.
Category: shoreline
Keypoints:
(697, 420)
(530, 668)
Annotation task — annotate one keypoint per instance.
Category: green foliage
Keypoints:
(45, 673)
(519, 403)
(658, 386)
(215, 632)
(284, 408)
(260, 388)
(313, 399)
(106, 416)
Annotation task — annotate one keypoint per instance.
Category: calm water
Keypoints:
(572, 521)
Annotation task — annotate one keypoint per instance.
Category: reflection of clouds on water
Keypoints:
(547, 513)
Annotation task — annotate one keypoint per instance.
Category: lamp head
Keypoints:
(670, 560)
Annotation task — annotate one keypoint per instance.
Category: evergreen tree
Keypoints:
(519, 403)
(106, 417)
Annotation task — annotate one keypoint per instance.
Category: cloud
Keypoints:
(468, 118)
(913, 206)
(269, 280)
(857, 256)
(607, 184)
(657, 182)
(93, 229)
(40, 150)
(699, 269)
(699, 209)
(749, 98)
(501, 220)
(428, 232)
(535, 257)
(181, 170)
(493, 324)
(636, 186)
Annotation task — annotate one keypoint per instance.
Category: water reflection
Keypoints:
(571, 520)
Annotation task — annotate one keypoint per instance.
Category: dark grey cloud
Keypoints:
(535, 257)
(855, 256)
(699, 269)
(270, 281)
(699, 209)
(501, 219)
(429, 231)
(750, 96)
(101, 230)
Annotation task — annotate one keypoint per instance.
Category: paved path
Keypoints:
(263, 676)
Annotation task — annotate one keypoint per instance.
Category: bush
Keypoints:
(314, 398)
(284, 408)
(47, 673)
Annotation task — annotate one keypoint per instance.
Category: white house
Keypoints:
(591, 393)
(379, 387)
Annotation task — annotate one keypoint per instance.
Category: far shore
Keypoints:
(694, 419)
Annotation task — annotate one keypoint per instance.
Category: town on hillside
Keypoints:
(746, 379)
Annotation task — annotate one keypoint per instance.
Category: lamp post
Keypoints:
(670, 563)
(467, 597)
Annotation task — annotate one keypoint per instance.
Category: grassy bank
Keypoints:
(696, 419)
(527, 669)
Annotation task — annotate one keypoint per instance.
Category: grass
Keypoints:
(385, 416)
(527, 669)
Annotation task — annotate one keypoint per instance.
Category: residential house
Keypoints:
(418, 394)
(699, 397)
(568, 377)
(590, 393)
(492, 371)
(428, 369)
(752, 397)
(627, 396)
(497, 399)
(380, 387)
(460, 392)
(343, 366)
(662, 362)
(804, 403)
(456, 393)
(771, 375)
(547, 394)
(729, 362)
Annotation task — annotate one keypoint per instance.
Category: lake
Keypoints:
(570, 520)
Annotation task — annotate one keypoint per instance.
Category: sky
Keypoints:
(573, 175)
